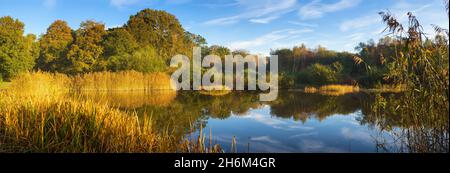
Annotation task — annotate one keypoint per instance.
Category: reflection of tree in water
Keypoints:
(190, 110)
(187, 111)
(410, 129)
(302, 106)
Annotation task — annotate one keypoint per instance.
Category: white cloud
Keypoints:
(316, 9)
(264, 20)
(257, 11)
(312, 25)
(268, 39)
(266, 139)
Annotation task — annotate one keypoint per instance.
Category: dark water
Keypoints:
(295, 122)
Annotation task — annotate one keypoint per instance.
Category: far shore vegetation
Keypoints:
(37, 72)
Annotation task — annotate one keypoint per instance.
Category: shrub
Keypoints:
(318, 74)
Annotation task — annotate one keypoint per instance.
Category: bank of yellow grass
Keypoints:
(40, 84)
(132, 100)
(36, 116)
(122, 81)
(333, 90)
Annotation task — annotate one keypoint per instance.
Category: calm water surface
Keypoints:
(295, 122)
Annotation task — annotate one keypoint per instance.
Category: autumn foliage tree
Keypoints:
(85, 52)
(161, 30)
(54, 46)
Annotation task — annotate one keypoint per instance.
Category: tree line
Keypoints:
(147, 41)
(144, 44)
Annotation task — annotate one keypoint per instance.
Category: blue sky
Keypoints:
(255, 25)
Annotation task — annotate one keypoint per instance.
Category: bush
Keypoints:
(287, 80)
(318, 74)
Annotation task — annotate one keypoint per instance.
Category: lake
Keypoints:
(296, 122)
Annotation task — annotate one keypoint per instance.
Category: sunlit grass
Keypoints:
(122, 81)
(333, 90)
(310, 89)
(132, 100)
(37, 116)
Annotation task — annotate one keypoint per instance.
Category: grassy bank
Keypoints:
(37, 116)
(121, 81)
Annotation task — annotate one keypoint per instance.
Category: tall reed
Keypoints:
(122, 81)
(36, 116)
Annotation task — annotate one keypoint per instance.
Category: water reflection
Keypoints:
(295, 122)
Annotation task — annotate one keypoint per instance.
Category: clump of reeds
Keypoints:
(122, 81)
(337, 90)
(310, 89)
(39, 84)
(200, 144)
(64, 125)
(34, 117)
(332, 90)
(60, 125)
(131, 100)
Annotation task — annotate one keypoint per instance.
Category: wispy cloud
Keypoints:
(257, 11)
(312, 25)
(316, 9)
(268, 39)
(264, 20)
(266, 139)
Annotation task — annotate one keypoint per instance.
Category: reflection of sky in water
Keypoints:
(266, 133)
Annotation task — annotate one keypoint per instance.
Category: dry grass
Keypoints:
(60, 125)
(40, 84)
(310, 89)
(337, 90)
(333, 90)
(122, 81)
(132, 100)
(36, 116)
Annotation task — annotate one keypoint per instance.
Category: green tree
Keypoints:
(241, 52)
(54, 46)
(119, 41)
(85, 52)
(16, 51)
(161, 30)
(143, 60)
(218, 50)
(318, 74)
